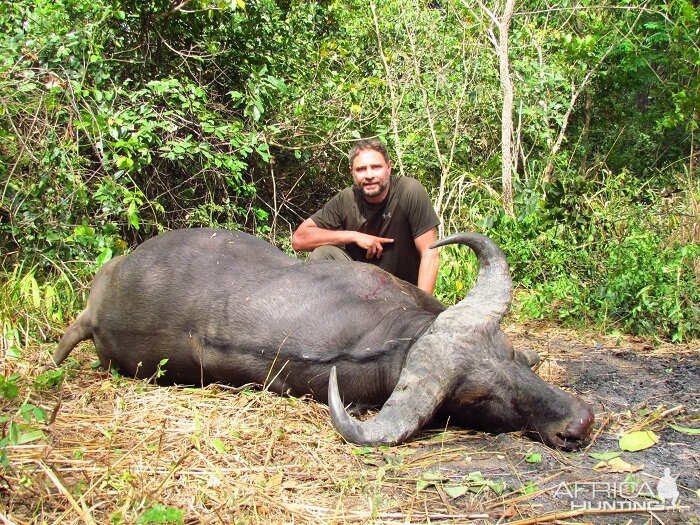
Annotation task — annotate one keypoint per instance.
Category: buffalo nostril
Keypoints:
(581, 423)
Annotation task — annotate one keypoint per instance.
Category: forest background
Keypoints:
(121, 118)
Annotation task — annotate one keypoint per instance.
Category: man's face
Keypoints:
(371, 174)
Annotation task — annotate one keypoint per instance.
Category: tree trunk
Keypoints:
(507, 111)
(586, 129)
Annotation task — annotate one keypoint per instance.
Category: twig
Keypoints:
(82, 511)
(488, 505)
(445, 500)
(546, 518)
(171, 472)
(662, 415)
(597, 433)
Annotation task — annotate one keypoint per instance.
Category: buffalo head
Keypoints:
(464, 367)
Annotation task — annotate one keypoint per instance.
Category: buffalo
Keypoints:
(224, 306)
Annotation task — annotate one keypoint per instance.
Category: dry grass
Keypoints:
(116, 446)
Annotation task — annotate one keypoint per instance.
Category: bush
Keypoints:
(610, 260)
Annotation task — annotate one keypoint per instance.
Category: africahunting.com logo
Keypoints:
(620, 495)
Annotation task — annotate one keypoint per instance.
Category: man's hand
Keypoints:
(309, 237)
(373, 245)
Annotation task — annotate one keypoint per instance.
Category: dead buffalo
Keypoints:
(225, 306)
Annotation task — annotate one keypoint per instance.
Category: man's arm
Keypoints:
(429, 260)
(309, 236)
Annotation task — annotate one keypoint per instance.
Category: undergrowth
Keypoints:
(625, 259)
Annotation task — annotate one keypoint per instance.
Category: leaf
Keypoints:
(685, 430)
(133, 214)
(28, 436)
(456, 491)
(105, 255)
(274, 481)
(604, 456)
(529, 487)
(600, 466)
(618, 465)
(479, 483)
(9, 390)
(533, 457)
(476, 476)
(218, 445)
(158, 513)
(362, 451)
(636, 441)
(428, 480)
(36, 293)
(497, 488)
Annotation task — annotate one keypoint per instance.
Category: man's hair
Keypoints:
(373, 144)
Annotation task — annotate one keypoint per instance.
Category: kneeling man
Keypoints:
(382, 219)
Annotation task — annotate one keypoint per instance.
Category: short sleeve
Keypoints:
(418, 208)
(330, 216)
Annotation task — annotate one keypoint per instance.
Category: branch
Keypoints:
(392, 90)
(549, 169)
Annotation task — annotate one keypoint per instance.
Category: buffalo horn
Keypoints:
(491, 293)
(409, 408)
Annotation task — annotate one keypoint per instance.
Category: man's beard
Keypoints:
(381, 187)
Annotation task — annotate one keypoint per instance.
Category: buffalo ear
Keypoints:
(527, 357)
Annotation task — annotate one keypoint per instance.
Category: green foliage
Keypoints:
(29, 306)
(9, 387)
(661, 296)
(49, 379)
(608, 260)
(93, 150)
(120, 119)
(158, 513)
(19, 424)
(458, 269)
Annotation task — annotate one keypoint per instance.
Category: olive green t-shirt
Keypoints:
(405, 214)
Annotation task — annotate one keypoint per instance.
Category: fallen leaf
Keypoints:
(685, 430)
(604, 456)
(600, 466)
(218, 445)
(620, 465)
(274, 481)
(617, 465)
(429, 479)
(533, 457)
(636, 441)
(456, 491)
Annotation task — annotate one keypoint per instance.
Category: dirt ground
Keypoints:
(631, 385)
(122, 451)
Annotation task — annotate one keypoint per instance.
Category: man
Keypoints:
(384, 220)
